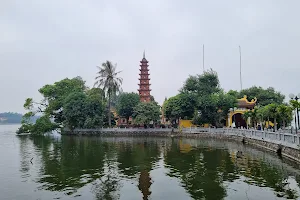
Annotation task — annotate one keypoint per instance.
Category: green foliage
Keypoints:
(180, 106)
(204, 84)
(126, 103)
(264, 96)
(74, 111)
(285, 114)
(43, 125)
(66, 103)
(295, 104)
(109, 81)
(55, 94)
(83, 111)
(280, 114)
(202, 100)
(146, 112)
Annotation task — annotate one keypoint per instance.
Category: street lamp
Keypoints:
(292, 96)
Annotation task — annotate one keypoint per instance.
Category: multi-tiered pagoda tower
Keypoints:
(144, 85)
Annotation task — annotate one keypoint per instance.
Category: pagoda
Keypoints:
(144, 85)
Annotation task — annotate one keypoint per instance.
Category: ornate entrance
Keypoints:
(239, 121)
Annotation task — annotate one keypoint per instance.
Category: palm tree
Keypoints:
(109, 81)
(285, 113)
(246, 117)
(272, 113)
(255, 117)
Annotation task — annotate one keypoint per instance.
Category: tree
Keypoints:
(74, 110)
(264, 96)
(204, 84)
(126, 103)
(285, 113)
(95, 109)
(225, 101)
(146, 112)
(180, 106)
(66, 103)
(43, 125)
(271, 112)
(51, 106)
(55, 94)
(246, 116)
(109, 81)
(83, 111)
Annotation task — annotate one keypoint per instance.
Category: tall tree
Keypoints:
(109, 81)
(264, 96)
(126, 103)
(180, 106)
(204, 84)
(285, 114)
(145, 112)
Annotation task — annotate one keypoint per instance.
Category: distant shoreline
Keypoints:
(10, 123)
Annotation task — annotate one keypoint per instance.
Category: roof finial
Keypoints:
(144, 54)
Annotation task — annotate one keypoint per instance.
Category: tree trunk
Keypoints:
(275, 125)
(109, 114)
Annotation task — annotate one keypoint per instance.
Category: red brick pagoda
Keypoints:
(144, 86)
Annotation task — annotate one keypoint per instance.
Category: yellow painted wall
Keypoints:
(185, 123)
(188, 123)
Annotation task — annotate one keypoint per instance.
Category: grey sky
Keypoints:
(44, 41)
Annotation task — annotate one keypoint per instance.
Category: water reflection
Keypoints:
(206, 170)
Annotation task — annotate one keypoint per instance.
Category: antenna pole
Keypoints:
(241, 67)
(203, 58)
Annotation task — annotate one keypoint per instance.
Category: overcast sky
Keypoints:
(43, 41)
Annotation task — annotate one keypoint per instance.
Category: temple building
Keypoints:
(235, 115)
(144, 85)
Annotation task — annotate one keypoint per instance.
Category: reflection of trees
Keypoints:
(72, 163)
(201, 171)
(263, 174)
(26, 155)
(108, 185)
(137, 158)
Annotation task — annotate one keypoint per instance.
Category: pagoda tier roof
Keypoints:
(145, 79)
(244, 103)
(144, 74)
(144, 84)
(144, 60)
(144, 69)
(144, 90)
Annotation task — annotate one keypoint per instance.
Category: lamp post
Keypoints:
(297, 121)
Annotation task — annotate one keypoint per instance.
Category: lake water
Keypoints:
(129, 168)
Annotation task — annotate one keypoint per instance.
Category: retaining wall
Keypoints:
(282, 150)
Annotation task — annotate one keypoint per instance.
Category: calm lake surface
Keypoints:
(139, 168)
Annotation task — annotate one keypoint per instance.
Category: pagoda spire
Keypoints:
(144, 81)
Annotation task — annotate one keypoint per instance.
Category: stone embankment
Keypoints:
(284, 144)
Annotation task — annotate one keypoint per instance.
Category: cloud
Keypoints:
(45, 41)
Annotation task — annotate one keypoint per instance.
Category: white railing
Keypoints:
(284, 138)
(125, 130)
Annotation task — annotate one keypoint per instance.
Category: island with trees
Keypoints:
(71, 104)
